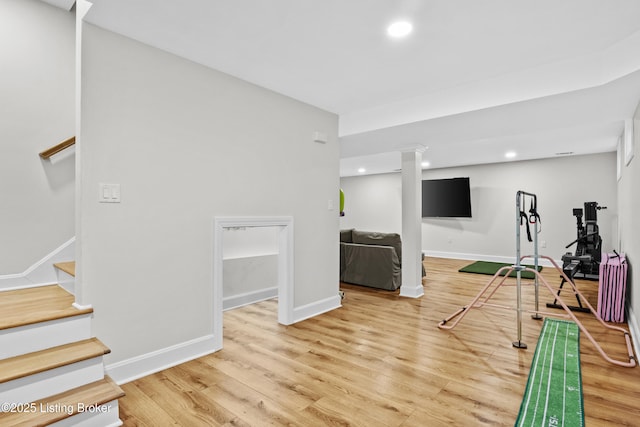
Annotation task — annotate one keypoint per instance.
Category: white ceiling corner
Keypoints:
(62, 4)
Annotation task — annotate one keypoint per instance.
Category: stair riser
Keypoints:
(106, 416)
(40, 336)
(67, 281)
(51, 382)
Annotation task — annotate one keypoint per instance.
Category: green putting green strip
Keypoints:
(553, 395)
(486, 267)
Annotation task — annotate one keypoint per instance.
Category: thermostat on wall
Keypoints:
(320, 137)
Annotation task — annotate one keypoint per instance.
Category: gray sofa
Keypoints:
(371, 259)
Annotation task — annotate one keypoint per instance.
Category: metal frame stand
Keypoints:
(520, 206)
(480, 300)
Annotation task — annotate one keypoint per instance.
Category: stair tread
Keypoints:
(68, 267)
(55, 408)
(51, 358)
(32, 305)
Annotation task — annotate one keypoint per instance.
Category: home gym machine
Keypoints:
(500, 279)
(585, 262)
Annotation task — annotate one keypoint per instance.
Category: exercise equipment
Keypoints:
(612, 287)
(499, 279)
(585, 262)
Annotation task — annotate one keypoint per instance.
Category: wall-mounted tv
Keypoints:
(449, 198)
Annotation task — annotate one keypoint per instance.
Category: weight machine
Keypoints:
(498, 280)
(585, 262)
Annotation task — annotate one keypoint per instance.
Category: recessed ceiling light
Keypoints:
(362, 170)
(426, 164)
(399, 29)
(510, 154)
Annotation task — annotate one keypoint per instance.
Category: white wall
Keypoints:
(252, 241)
(248, 280)
(250, 266)
(36, 112)
(187, 144)
(561, 184)
(629, 205)
(373, 203)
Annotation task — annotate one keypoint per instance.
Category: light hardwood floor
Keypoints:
(380, 360)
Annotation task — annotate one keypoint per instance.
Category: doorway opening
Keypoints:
(284, 227)
(250, 266)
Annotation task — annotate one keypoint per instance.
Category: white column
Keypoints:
(80, 288)
(412, 223)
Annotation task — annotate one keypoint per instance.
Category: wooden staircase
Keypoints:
(51, 369)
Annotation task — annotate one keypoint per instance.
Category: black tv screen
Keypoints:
(446, 198)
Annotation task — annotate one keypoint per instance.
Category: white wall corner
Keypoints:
(313, 309)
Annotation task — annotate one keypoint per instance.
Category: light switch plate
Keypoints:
(109, 193)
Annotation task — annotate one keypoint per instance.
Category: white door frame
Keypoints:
(285, 265)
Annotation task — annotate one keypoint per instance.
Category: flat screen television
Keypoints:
(448, 198)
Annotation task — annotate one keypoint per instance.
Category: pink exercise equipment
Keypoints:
(498, 280)
(612, 287)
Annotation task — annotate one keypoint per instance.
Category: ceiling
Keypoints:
(471, 82)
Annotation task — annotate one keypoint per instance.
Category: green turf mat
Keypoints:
(486, 267)
(553, 395)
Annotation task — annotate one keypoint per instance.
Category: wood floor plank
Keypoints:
(474, 405)
(331, 410)
(251, 406)
(186, 405)
(382, 360)
(140, 410)
(323, 382)
(262, 379)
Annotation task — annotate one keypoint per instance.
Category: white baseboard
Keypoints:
(315, 308)
(247, 298)
(42, 272)
(140, 366)
(490, 258)
(412, 291)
